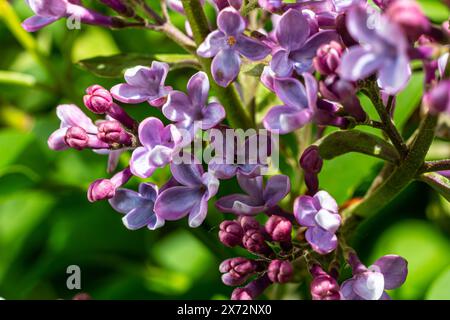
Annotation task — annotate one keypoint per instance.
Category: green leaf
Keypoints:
(253, 69)
(440, 288)
(434, 9)
(15, 142)
(115, 65)
(17, 78)
(438, 182)
(423, 246)
(341, 142)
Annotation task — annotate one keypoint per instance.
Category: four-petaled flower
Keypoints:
(320, 215)
(227, 43)
(258, 198)
(388, 272)
(144, 84)
(190, 197)
(138, 207)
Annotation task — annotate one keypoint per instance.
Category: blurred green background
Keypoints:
(47, 224)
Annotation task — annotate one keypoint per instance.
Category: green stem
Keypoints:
(229, 97)
(398, 180)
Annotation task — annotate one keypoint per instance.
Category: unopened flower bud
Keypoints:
(311, 160)
(120, 7)
(237, 270)
(77, 138)
(437, 100)
(280, 271)
(231, 233)
(323, 286)
(249, 223)
(328, 58)
(254, 241)
(241, 294)
(98, 99)
(409, 15)
(279, 228)
(252, 290)
(112, 132)
(101, 189)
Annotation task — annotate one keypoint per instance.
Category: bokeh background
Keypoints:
(47, 224)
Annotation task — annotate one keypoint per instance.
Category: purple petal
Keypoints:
(325, 201)
(394, 269)
(212, 185)
(281, 63)
(347, 290)
(267, 77)
(321, 241)
(148, 191)
(292, 30)
(56, 141)
(277, 188)
(286, 119)
(129, 94)
(359, 63)
(213, 114)
(305, 211)
(358, 27)
(230, 22)
(150, 78)
(139, 217)
(140, 164)
(72, 116)
(187, 174)
(198, 89)
(311, 90)
(327, 220)
(198, 213)
(225, 67)
(175, 203)
(178, 107)
(221, 170)
(309, 49)
(160, 156)
(252, 186)
(113, 159)
(394, 75)
(251, 48)
(36, 23)
(369, 285)
(214, 42)
(126, 200)
(240, 204)
(292, 92)
(150, 132)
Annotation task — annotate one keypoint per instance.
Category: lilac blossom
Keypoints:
(320, 215)
(323, 286)
(258, 197)
(158, 145)
(70, 116)
(227, 44)
(143, 84)
(237, 270)
(437, 100)
(138, 207)
(231, 233)
(103, 189)
(190, 197)
(383, 50)
(388, 272)
(49, 11)
(280, 271)
(192, 109)
(296, 49)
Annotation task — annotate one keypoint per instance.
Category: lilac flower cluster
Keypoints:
(315, 61)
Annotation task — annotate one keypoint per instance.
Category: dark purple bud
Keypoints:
(437, 100)
(255, 241)
(112, 132)
(98, 99)
(328, 58)
(323, 286)
(279, 229)
(252, 290)
(237, 270)
(280, 271)
(77, 138)
(120, 7)
(103, 189)
(311, 161)
(409, 15)
(249, 223)
(231, 233)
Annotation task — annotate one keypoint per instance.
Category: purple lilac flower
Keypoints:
(138, 207)
(49, 11)
(328, 58)
(258, 198)
(158, 145)
(237, 270)
(438, 98)
(227, 44)
(323, 286)
(143, 84)
(70, 116)
(190, 197)
(320, 215)
(388, 272)
(103, 189)
(296, 51)
(188, 111)
(383, 50)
